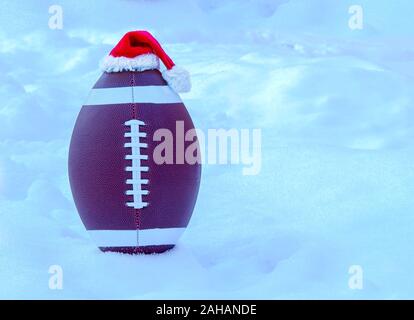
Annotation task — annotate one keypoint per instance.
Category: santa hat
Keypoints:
(139, 51)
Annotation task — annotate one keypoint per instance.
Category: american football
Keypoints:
(127, 201)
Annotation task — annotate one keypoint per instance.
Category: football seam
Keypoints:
(134, 116)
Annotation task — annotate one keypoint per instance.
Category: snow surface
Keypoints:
(336, 110)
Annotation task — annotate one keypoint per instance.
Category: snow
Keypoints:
(335, 107)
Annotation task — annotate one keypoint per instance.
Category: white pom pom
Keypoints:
(178, 79)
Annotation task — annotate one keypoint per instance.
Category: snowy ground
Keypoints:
(336, 109)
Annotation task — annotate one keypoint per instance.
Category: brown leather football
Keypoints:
(127, 201)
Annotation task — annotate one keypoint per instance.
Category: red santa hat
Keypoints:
(139, 51)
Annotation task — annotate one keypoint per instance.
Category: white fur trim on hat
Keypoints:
(139, 63)
(178, 79)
